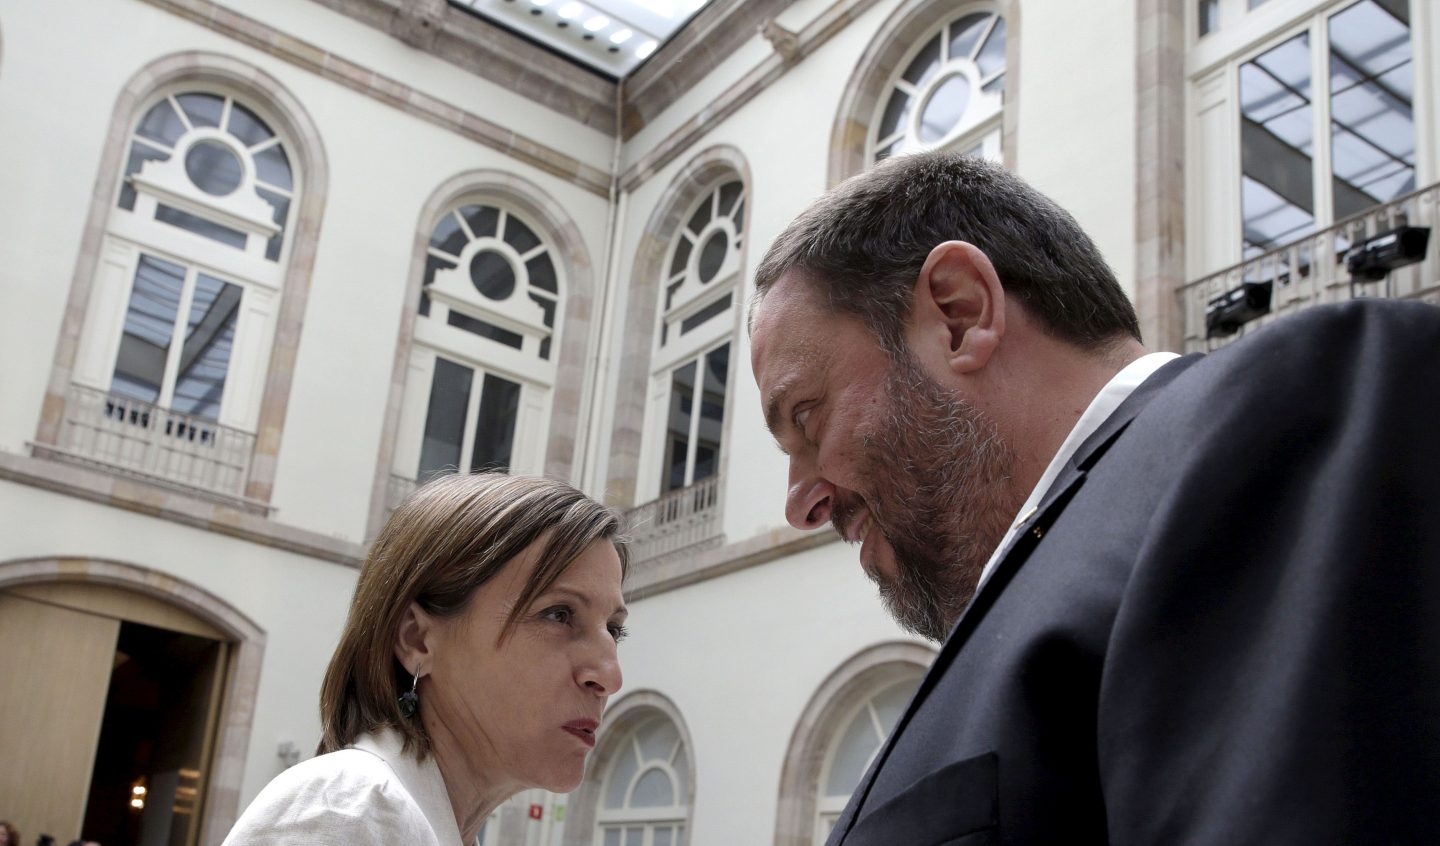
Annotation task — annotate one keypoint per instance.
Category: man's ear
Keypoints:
(959, 300)
(414, 639)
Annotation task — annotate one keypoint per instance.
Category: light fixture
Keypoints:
(1372, 259)
(597, 23)
(570, 11)
(620, 36)
(1225, 314)
(138, 790)
(645, 49)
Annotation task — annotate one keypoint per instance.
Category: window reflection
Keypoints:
(1276, 146)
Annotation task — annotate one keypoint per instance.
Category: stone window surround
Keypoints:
(620, 719)
(845, 689)
(237, 707)
(292, 122)
(703, 173)
(900, 32)
(568, 247)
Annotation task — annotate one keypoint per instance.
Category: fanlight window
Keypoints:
(208, 165)
(949, 93)
(855, 749)
(646, 791)
(494, 278)
(704, 259)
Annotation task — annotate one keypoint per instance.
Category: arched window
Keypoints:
(171, 365)
(482, 365)
(948, 92)
(855, 748)
(643, 795)
(692, 352)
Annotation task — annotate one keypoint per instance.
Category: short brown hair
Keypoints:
(447, 539)
(861, 247)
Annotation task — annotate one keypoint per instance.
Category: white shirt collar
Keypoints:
(422, 780)
(1101, 407)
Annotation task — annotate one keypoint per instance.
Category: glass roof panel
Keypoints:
(611, 37)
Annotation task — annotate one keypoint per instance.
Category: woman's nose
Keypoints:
(600, 672)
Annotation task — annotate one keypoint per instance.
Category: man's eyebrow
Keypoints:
(772, 408)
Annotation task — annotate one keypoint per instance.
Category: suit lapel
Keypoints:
(1016, 553)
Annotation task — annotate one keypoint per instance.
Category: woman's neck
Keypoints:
(474, 790)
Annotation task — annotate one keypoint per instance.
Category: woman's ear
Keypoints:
(413, 640)
(959, 302)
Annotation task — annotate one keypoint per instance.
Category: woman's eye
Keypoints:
(619, 633)
(559, 614)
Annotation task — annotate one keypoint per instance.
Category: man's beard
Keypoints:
(938, 473)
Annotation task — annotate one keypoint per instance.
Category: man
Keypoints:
(1208, 603)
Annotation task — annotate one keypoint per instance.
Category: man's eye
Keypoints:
(801, 419)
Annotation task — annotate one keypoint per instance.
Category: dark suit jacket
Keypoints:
(1221, 627)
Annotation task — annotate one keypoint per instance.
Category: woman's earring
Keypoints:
(410, 700)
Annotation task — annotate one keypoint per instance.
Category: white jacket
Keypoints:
(368, 794)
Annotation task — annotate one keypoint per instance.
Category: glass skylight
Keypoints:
(609, 36)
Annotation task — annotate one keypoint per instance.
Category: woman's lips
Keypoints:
(583, 729)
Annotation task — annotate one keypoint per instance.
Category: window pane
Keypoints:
(541, 271)
(1372, 127)
(677, 435)
(712, 413)
(205, 355)
(612, 837)
(139, 154)
(214, 168)
(492, 275)
(483, 220)
(281, 204)
(992, 55)
(495, 426)
(657, 740)
(1276, 146)
(548, 306)
(712, 255)
(520, 236)
(924, 65)
(965, 35)
(161, 124)
(853, 752)
(944, 109)
(634, 837)
(700, 217)
(664, 836)
(681, 256)
(444, 419)
(448, 237)
(1209, 12)
(895, 113)
(202, 109)
(202, 227)
(729, 193)
(625, 767)
(485, 330)
(653, 790)
(890, 703)
(272, 167)
(703, 316)
(149, 328)
(246, 126)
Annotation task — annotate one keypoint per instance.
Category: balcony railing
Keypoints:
(686, 519)
(1313, 271)
(155, 443)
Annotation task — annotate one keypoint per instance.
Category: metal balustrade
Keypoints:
(155, 443)
(1312, 270)
(685, 519)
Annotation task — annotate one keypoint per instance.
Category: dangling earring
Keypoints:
(410, 700)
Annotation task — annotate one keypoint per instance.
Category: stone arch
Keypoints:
(698, 176)
(843, 690)
(895, 37)
(308, 157)
(580, 311)
(620, 719)
(237, 709)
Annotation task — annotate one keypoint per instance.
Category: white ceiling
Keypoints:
(609, 36)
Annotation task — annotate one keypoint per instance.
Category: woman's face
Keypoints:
(525, 711)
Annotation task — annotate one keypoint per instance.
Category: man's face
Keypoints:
(894, 459)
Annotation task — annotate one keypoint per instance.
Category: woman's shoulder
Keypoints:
(350, 796)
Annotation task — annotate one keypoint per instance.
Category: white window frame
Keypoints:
(131, 233)
(647, 818)
(1213, 162)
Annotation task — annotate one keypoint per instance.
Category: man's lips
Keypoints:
(583, 729)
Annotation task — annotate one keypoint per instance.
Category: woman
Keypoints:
(8, 835)
(476, 661)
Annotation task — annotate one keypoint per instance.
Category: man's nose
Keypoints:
(809, 500)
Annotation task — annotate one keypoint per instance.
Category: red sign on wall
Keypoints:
(536, 812)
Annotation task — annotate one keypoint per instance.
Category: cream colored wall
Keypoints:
(1076, 135)
(741, 657)
(383, 165)
(300, 603)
